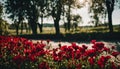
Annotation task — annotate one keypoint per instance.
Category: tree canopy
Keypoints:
(1, 10)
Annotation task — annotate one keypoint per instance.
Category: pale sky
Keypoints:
(86, 17)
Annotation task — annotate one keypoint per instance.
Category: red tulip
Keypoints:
(98, 46)
(84, 46)
(79, 66)
(18, 59)
(115, 53)
(113, 66)
(32, 58)
(91, 52)
(91, 61)
(43, 65)
(113, 47)
(106, 49)
(93, 41)
(103, 59)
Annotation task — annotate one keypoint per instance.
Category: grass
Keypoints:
(51, 30)
(82, 33)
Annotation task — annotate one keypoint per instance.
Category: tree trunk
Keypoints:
(33, 25)
(68, 18)
(34, 28)
(110, 22)
(29, 27)
(65, 26)
(41, 26)
(21, 28)
(96, 20)
(26, 27)
(17, 28)
(110, 8)
(57, 29)
(56, 13)
(1, 27)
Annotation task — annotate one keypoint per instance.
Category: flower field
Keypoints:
(21, 53)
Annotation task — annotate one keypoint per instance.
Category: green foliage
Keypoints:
(97, 9)
(1, 10)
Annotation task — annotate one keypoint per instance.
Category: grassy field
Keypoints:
(51, 30)
(81, 33)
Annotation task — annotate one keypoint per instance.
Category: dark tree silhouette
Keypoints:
(101, 5)
(110, 8)
(69, 16)
(23, 9)
(15, 9)
(33, 18)
(42, 6)
(97, 10)
(68, 5)
(55, 10)
(1, 11)
(76, 19)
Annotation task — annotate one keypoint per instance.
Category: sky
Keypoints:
(86, 17)
(83, 12)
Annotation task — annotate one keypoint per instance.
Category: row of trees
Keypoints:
(33, 9)
(19, 10)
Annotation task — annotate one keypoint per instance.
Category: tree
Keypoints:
(101, 6)
(42, 4)
(110, 8)
(23, 9)
(76, 19)
(97, 10)
(55, 10)
(3, 23)
(1, 11)
(16, 10)
(69, 5)
(32, 13)
(58, 8)
(27, 9)
(69, 11)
